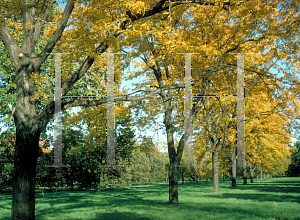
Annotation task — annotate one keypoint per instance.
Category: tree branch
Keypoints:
(10, 45)
(40, 24)
(56, 36)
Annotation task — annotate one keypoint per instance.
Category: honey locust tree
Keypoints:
(241, 28)
(268, 132)
(110, 18)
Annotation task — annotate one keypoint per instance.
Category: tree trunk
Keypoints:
(72, 184)
(233, 169)
(215, 172)
(197, 179)
(251, 173)
(264, 175)
(97, 182)
(261, 173)
(25, 161)
(173, 183)
(256, 176)
(245, 175)
(105, 179)
(182, 178)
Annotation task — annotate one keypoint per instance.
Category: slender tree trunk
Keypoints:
(25, 161)
(197, 179)
(97, 182)
(245, 175)
(251, 173)
(233, 169)
(256, 175)
(105, 179)
(72, 184)
(182, 178)
(215, 172)
(264, 175)
(261, 174)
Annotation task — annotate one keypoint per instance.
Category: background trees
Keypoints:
(294, 167)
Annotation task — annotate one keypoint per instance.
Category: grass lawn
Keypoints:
(274, 198)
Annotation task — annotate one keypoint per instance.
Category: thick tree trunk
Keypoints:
(25, 161)
(215, 172)
(173, 183)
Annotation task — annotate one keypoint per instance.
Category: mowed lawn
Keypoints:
(274, 198)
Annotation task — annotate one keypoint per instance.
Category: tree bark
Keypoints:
(173, 183)
(261, 174)
(182, 178)
(26, 153)
(251, 173)
(233, 169)
(215, 172)
(97, 182)
(245, 175)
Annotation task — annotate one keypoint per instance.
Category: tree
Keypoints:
(26, 60)
(140, 168)
(111, 22)
(294, 167)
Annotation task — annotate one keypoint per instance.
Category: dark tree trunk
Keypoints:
(97, 182)
(215, 172)
(261, 174)
(182, 178)
(197, 179)
(233, 169)
(173, 183)
(72, 184)
(25, 161)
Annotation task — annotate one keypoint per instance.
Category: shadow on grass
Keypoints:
(121, 216)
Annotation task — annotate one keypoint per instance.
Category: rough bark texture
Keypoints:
(173, 183)
(23, 198)
(215, 172)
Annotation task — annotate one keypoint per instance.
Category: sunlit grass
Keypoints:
(275, 198)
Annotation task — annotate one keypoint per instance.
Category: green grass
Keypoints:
(275, 198)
